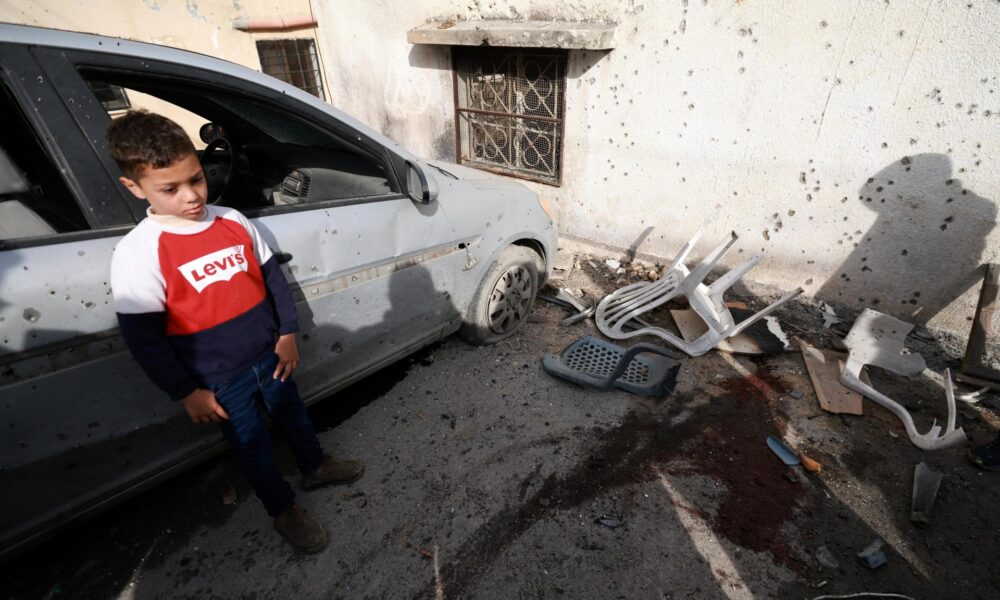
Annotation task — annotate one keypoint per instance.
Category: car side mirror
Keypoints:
(419, 187)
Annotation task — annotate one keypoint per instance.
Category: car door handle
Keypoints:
(282, 257)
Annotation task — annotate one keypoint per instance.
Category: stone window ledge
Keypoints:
(567, 35)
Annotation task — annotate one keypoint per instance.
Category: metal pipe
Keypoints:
(274, 24)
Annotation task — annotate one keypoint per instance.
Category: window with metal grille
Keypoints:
(509, 106)
(292, 61)
(111, 96)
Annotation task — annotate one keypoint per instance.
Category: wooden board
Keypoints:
(824, 368)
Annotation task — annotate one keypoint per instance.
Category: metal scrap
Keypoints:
(584, 310)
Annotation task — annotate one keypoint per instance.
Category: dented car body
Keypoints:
(385, 254)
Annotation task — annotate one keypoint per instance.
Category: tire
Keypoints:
(504, 298)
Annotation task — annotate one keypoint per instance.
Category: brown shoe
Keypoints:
(333, 471)
(300, 530)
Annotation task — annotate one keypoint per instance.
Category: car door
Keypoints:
(371, 269)
(73, 402)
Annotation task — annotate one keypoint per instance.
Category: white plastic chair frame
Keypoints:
(877, 339)
(617, 309)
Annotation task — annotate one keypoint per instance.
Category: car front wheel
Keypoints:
(504, 298)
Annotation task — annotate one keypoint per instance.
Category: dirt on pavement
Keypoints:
(488, 478)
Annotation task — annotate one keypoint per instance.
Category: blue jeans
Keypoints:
(247, 431)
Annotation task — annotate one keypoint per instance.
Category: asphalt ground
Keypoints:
(488, 478)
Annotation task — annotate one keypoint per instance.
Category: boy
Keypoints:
(200, 300)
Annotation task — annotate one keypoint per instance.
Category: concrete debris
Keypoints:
(826, 558)
(830, 318)
(877, 339)
(775, 328)
(872, 556)
(926, 484)
(613, 264)
(620, 307)
(610, 521)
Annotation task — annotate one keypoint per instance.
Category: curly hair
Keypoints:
(140, 139)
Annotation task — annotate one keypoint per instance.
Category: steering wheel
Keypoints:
(217, 173)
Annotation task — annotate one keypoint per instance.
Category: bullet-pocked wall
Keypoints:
(849, 141)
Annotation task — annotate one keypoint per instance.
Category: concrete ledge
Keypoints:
(568, 35)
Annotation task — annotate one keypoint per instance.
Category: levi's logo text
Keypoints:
(220, 265)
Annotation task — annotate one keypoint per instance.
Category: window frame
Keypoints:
(43, 101)
(275, 99)
(121, 97)
(507, 51)
(280, 44)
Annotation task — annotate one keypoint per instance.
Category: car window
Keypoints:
(271, 160)
(34, 198)
(189, 121)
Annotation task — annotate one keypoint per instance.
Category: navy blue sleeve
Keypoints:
(281, 294)
(146, 337)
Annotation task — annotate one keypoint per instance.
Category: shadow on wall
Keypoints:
(924, 249)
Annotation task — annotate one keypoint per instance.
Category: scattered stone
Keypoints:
(610, 521)
(614, 264)
(872, 556)
(826, 558)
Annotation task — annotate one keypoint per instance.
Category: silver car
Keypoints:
(385, 253)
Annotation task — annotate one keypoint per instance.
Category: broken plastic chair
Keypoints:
(616, 310)
(877, 339)
(601, 365)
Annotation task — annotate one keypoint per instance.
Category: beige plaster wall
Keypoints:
(851, 142)
(848, 141)
(203, 26)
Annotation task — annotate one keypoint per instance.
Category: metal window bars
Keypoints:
(293, 61)
(509, 108)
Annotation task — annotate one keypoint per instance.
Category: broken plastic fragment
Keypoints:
(925, 488)
(877, 339)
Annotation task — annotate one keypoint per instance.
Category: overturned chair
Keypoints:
(617, 311)
(877, 339)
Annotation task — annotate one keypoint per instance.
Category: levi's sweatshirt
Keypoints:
(199, 301)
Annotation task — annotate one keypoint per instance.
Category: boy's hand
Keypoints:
(288, 356)
(202, 407)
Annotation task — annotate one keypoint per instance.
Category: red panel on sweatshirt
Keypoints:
(211, 276)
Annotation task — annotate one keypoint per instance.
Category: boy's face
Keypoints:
(178, 189)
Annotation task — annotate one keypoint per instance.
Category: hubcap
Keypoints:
(509, 302)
